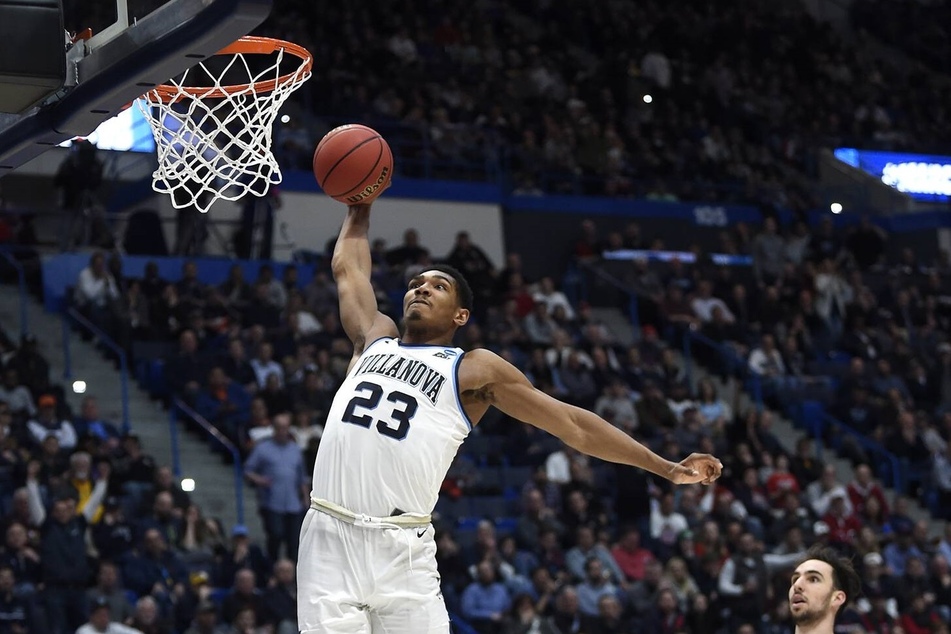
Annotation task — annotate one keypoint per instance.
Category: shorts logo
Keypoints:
(421, 532)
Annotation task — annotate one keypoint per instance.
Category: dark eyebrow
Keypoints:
(442, 277)
(796, 575)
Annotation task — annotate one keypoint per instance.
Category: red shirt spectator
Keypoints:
(630, 556)
(863, 487)
(781, 481)
(843, 526)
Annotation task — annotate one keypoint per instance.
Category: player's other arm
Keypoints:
(351, 265)
(487, 378)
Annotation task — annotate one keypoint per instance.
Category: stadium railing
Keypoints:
(7, 255)
(179, 409)
(808, 415)
(74, 316)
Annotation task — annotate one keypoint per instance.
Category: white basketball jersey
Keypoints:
(393, 430)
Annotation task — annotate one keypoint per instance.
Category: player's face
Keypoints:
(431, 297)
(811, 595)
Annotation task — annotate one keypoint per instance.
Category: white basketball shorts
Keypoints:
(366, 579)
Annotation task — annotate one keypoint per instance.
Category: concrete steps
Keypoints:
(214, 490)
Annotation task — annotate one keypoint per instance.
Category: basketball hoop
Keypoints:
(214, 140)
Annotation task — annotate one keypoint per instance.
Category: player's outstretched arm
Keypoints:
(487, 379)
(351, 264)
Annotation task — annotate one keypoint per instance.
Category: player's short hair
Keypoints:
(844, 577)
(463, 290)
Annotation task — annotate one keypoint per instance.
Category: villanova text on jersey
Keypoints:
(413, 372)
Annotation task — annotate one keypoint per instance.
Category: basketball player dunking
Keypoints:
(367, 552)
(821, 587)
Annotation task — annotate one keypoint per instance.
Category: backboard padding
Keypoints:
(159, 46)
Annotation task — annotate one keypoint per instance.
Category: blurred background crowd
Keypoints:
(533, 537)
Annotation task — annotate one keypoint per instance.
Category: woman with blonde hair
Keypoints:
(677, 578)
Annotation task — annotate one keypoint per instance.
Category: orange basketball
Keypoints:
(353, 164)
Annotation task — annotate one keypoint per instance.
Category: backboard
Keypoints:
(136, 45)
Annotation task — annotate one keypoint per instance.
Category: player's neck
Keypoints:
(425, 337)
(825, 626)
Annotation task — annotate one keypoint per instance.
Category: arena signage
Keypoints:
(921, 176)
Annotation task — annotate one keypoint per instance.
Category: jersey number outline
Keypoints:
(371, 400)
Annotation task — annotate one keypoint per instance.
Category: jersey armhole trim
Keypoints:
(369, 345)
(455, 378)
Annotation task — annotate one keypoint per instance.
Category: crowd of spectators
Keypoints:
(262, 359)
(741, 99)
(98, 537)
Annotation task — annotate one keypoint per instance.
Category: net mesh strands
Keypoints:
(214, 140)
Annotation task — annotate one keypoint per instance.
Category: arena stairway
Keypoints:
(784, 429)
(214, 490)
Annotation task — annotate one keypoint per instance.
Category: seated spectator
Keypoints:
(878, 618)
(264, 365)
(320, 295)
(189, 288)
(677, 578)
(101, 620)
(163, 518)
(108, 589)
(91, 422)
(307, 323)
(242, 553)
(242, 596)
(921, 617)
(539, 326)
(280, 599)
(863, 487)
(595, 585)
(843, 524)
(205, 620)
(276, 291)
(275, 396)
(766, 360)
(200, 540)
(223, 402)
(148, 619)
(567, 616)
(642, 595)
(48, 423)
(235, 290)
(260, 311)
(235, 364)
(744, 579)
(587, 548)
(653, 412)
(526, 618)
(16, 395)
(616, 404)
(185, 370)
(704, 303)
(22, 559)
(113, 534)
(135, 469)
(666, 523)
(258, 426)
(666, 617)
(485, 601)
(166, 482)
(32, 368)
(905, 441)
(16, 615)
(631, 557)
(154, 569)
(898, 552)
(821, 492)
(97, 294)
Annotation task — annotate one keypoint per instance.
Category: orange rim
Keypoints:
(249, 44)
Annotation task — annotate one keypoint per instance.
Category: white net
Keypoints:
(214, 141)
